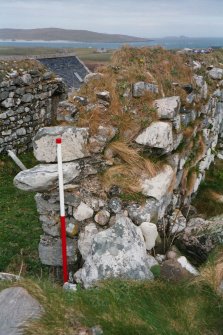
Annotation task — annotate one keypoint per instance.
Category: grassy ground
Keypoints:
(124, 307)
(119, 307)
(86, 54)
(19, 226)
(209, 200)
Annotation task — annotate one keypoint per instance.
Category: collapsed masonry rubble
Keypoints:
(109, 236)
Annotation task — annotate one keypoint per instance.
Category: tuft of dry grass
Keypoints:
(218, 197)
(132, 157)
(154, 64)
(128, 174)
(212, 272)
(128, 66)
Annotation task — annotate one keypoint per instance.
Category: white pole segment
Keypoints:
(60, 172)
(62, 210)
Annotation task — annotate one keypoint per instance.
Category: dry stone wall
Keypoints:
(106, 235)
(28, 101)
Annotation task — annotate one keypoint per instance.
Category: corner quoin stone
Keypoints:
(74, 143)
(158, 135)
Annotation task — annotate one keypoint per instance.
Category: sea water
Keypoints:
(168, 43)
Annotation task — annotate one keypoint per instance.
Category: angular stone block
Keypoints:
(158, 135)
(74, 143)
(43, 178)
(167, 108)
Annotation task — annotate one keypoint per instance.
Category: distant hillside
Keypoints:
(53, 34)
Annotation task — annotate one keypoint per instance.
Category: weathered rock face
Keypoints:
(116, 252)
(43, 178)
(167, 108)
(86, 238)
(74, 143)
(28, 101)
(157, 135)
(216, 73)
(158, 186)
(17, 307)
(140, 88)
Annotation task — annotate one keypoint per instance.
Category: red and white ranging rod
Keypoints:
(62, 210)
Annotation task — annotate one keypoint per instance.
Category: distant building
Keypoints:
(101, 50)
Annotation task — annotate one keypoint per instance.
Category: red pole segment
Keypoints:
(64, 248)
(62, 210)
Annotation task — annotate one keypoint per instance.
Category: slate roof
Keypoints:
(69, 68)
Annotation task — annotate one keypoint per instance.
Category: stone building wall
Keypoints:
(28, 101)
(111, 236)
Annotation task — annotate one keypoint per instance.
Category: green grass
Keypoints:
(19, 226)
(86, 54)
(126, 307)
(204, 202)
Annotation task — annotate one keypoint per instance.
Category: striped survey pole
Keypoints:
(62, 210)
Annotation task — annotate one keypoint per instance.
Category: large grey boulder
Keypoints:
(43, 178)
(140, 88)
(85, 239)
(50, 250)
(167, 108)
(158, 135)
(117, 252)
(216, 73)
(158, 186)
(74, 143)
(17, 307)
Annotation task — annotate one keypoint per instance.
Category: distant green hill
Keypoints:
(53, 34)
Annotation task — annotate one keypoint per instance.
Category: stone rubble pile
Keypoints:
(108, 237)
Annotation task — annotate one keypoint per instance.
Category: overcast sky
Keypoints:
(145, 18)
